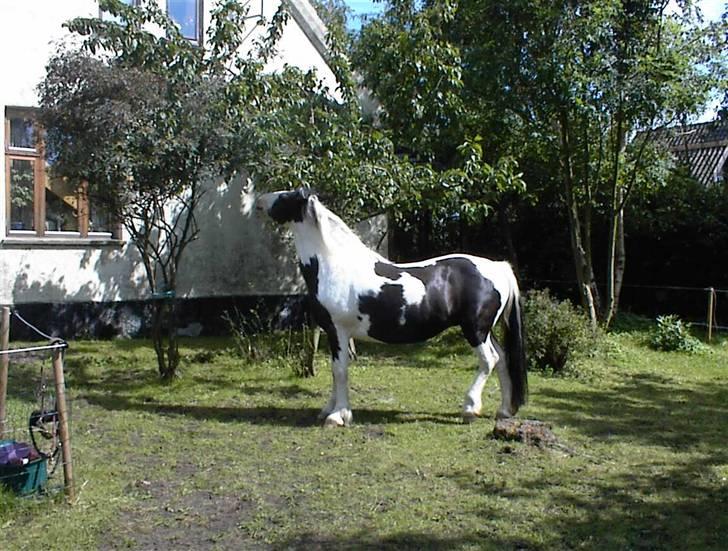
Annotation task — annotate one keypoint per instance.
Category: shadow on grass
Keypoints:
(669, 500)
(675, 508)
(647, 408)
(364, 541)
(266, 415)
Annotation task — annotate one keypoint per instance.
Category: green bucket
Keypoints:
(24, 479)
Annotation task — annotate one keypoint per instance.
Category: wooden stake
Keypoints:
(63, 425)
(4, 360)
(711, 309)
(316, 336)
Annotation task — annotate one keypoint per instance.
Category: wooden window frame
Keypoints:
(40, 176)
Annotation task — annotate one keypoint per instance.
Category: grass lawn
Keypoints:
(230, 456)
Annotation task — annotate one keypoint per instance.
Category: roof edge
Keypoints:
(305, 15)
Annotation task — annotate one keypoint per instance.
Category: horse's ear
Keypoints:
(311, 209)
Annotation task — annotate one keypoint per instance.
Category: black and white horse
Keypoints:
(357, 293)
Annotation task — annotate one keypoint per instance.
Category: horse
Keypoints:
(356, 293)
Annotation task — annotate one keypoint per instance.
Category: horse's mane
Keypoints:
(337, 235)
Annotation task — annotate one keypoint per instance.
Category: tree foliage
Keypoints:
(143, 117)
(571, 90)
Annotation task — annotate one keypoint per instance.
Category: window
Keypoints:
(187, 14)
(39, 204)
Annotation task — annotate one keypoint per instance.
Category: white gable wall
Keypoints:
(235, 254)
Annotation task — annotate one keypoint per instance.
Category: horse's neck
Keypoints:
(311, 243)
(308, 242)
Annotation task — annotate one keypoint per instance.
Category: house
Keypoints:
(702, 147)
(66, 266)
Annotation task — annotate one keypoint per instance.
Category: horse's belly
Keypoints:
(406, 331)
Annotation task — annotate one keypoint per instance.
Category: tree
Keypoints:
(408, 59)
(146, 120)
(565, 86)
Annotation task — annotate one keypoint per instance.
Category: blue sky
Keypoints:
(362, 7)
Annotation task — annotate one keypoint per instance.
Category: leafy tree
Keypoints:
(146, 119)
(419, 75)
(560, 86)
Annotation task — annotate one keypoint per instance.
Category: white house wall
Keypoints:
(235, 254)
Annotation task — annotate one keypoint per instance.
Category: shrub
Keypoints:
(558, 335)
(257, 339)
(671, 334)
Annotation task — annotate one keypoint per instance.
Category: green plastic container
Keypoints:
(25, 479)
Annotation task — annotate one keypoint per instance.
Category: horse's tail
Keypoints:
(515, 348)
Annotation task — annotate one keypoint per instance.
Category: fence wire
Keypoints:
(697, 305)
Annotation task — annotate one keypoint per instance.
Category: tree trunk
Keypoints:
(164, 338)
(621, 260)
(588, 292)
(615, 266)
(616, 221)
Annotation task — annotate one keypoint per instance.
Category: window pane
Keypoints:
(99, 219)
(22, 133)
(184, 13)
(61, 205)
(22, 184)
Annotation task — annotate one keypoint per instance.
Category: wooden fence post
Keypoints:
(711, 311)
(63, 424)
(4, 361)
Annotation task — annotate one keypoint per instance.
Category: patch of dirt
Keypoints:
(529, 431)
(175, 517)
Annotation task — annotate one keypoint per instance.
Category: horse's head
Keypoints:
(310, 220)
(288, 206)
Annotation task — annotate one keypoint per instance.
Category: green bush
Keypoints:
(558, 335)
(256, 339)
(671, 334)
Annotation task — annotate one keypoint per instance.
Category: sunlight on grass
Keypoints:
(231, 455)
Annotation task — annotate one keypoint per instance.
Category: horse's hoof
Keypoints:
(333, 423)
(469, 417)
(341, 418)
(503, 414)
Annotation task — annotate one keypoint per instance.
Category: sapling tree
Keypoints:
(146, 118)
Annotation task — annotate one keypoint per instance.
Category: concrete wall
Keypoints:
(235, 255)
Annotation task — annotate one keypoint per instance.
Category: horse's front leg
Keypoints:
(337, 410)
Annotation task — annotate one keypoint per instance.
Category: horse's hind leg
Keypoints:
(505, 410)
(488, 358)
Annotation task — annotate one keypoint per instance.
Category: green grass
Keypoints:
(230, 456)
